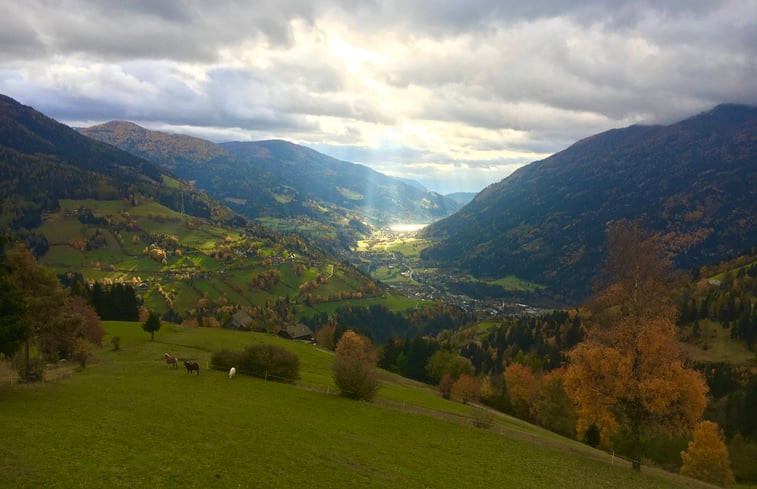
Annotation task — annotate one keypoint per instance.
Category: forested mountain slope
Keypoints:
(693, 182)
(42, 161)
(91, 211)
(285, 185)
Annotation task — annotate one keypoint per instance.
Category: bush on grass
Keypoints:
(266, 361)
(482, 418)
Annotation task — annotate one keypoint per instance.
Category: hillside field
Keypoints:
(130, 420)
(111, 241)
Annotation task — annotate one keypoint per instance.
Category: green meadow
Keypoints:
(511, 282)
(113, 248)
(129, 420)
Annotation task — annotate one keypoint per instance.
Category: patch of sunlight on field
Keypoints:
(409, 247)
(511, 282)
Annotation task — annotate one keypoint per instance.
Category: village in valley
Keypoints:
(391, 256)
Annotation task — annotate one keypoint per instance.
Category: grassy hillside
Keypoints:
(129, 420)
(176, 261)
(719, 311)
(687, 182)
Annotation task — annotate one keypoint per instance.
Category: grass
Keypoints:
(394, 303)
(716, 345)
(129, 420)
(511, 282)
(129, 230)
(410, 247)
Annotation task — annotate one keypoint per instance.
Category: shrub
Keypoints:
(355, 379)
(82, 351)
(743, 454)
(266, 361)
(482, 418)
(270, 361)
(466, 389)
(225, 359)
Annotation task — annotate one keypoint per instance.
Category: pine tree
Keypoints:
(152, 324)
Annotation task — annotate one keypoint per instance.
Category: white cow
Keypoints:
(232, 372)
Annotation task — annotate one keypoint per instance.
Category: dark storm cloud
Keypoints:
(454, 16)
(178, 30)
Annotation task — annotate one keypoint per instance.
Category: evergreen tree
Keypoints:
(152, 324)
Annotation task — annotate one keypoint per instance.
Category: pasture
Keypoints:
(108, 241)
(716, 345)
(130, 420)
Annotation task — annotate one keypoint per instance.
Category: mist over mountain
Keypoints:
(694, 183)
(462, 198)
(291, 184)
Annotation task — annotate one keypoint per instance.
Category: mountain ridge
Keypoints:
(43, 161)
(691, 181)
(284, 184)
(86, 210)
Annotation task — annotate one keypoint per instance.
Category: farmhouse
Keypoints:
(296, 332)
(240, 320)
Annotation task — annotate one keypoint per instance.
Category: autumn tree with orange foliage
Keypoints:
(521, 388)
(706, 457)
(324, 336)
(466, 389)
(355, 367)
(445, 386)
(628, 375)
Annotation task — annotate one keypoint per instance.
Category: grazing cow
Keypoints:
(232, 372)
(192, 366)
(171, 360)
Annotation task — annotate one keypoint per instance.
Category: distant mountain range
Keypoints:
(285, 185)
(462, 198)
(42, 161)
(93, 211)
(693, 182)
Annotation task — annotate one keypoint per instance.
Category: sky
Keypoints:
(455, 94)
